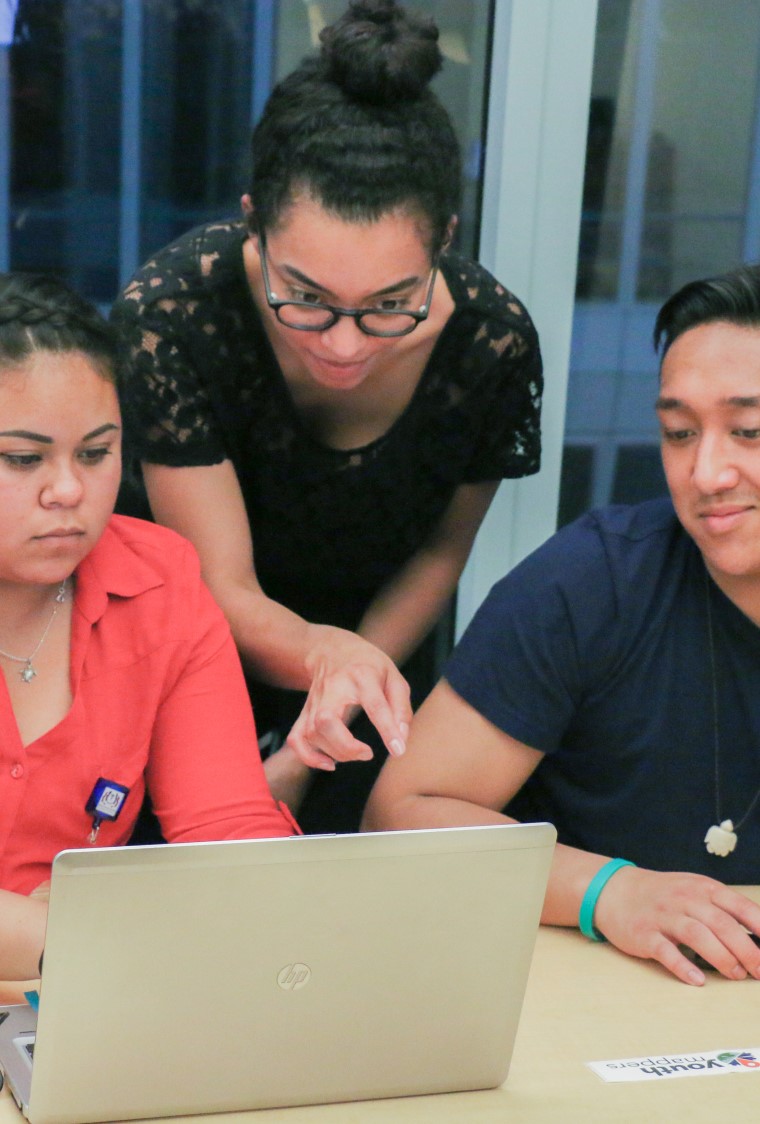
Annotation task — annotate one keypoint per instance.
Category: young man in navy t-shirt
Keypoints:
(611, 682)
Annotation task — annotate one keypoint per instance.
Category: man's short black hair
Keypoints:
(732, 297)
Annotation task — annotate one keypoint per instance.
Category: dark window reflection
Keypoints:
(195, 127)
(131, 120)
(638, 474)
(576, 482)
(598, 144)
(64, 66)
(186, 70)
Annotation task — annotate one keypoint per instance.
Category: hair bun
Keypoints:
(378, 54)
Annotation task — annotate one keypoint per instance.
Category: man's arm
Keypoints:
(460, 770)
(340, 670)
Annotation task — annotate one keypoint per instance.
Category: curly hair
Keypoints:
(358, 129)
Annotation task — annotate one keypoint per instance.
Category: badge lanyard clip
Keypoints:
(104, 803)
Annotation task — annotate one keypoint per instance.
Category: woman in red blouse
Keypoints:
(118, 670)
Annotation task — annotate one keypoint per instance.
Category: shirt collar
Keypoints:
(112, 568)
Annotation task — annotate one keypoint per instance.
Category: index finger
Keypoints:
(389, 710)
(398, 694)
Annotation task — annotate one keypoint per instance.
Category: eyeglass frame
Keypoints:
(355, 313)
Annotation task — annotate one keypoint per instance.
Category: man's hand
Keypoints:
(350, 676)
(650, 914)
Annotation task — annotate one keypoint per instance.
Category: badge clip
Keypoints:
(104, 803)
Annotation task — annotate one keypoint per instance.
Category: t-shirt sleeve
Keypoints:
(541, 638)
(508, 399)
(168, 415)
(204, 774)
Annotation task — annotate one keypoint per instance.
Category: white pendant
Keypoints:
(721, 840)
(28, 673)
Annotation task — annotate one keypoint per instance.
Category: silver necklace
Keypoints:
(721, 838)
(29, 671)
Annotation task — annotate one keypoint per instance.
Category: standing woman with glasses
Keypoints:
(324, 397)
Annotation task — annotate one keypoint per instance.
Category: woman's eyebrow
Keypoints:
(27, 435)
(310, 284)
(100, 430)
(405, 284)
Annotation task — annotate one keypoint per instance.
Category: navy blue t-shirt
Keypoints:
(595, 651)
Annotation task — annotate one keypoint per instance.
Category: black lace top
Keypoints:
(330, 527)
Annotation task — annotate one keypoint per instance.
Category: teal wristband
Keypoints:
(591, 897)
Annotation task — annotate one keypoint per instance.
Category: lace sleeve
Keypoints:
(168, 416)
(509, 445)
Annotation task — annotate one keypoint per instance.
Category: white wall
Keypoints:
(535, 156)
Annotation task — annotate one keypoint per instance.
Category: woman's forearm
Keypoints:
(22, 935)
(339, 669)
(404, 611)
(274, 643)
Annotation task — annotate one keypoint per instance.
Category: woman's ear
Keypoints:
(450, 229)
(249, 214)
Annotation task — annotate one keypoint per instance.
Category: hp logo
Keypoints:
(293, 976)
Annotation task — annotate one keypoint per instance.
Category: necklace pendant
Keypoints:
(28, 673)
(721, 840)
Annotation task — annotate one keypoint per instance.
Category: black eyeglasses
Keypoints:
(307, 317)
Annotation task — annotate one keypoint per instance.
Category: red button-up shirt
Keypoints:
(158, 696)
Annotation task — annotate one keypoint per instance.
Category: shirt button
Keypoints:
(17, 771)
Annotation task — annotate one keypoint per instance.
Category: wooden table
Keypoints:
(585, 1002)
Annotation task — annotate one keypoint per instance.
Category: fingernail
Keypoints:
(739, 973)
(404, 728)
(696, 977)
(397, 747)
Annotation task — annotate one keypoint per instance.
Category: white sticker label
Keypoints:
(679, 1065)
(110, 802)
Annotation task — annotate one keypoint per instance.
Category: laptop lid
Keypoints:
(210, 977)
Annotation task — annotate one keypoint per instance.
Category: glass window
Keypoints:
(130, 123)
(64, 183)
(130, 120)
(464, 40)
(607, 148)
(671, 193)
(196, 113)
(700, 142)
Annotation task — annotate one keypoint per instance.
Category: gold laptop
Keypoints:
(211, 977)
